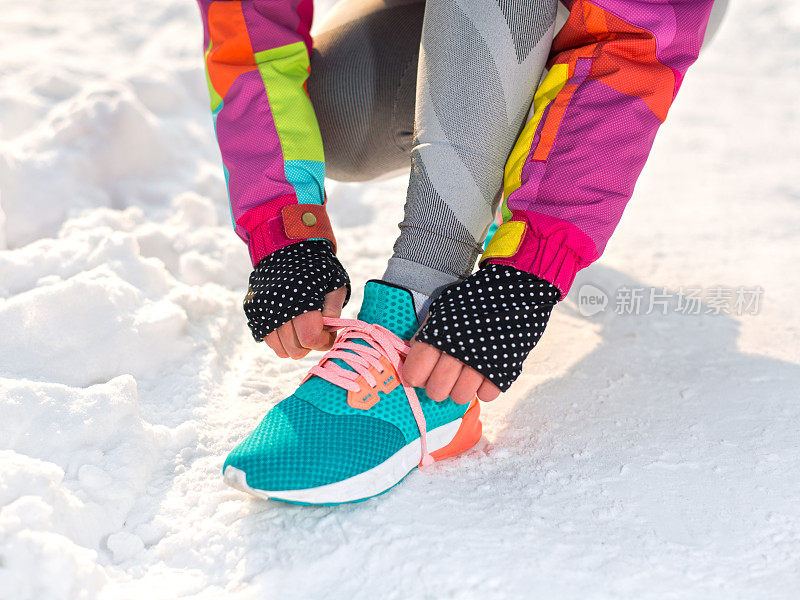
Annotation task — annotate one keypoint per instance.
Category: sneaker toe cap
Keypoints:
(298, 446)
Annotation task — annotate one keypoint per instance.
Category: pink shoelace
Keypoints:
(382, 344)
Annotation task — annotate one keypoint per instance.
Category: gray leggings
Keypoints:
(444, 83)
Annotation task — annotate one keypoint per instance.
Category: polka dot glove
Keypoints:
(491, 320)
(289, 282)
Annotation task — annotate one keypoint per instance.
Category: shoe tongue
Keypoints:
(389, 306)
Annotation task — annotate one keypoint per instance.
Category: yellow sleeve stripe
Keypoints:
(551, 85)
(506, 240)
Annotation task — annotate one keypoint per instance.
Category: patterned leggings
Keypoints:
(446, 83)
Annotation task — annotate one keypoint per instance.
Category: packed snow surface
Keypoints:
(641, 456)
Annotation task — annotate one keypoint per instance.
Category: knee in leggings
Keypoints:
(337, 108)
(363, 95)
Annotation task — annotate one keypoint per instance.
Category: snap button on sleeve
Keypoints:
(307, 221)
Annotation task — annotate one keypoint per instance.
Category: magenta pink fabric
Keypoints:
(250, 146)
(264, 227)
(551, 248)
(574, 198)
(275, 23)
(590, 191)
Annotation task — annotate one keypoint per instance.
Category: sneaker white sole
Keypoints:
(359, 487)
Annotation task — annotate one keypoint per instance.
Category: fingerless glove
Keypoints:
(491, 320)
(291, 281)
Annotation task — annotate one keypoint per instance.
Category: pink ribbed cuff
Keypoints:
(265, 229)
(552, 249)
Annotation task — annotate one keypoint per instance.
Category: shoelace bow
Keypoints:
(382, 343)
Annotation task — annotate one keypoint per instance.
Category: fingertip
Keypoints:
(328, 343)
(435, 394)
(291, 344)
(488, 391)
(466, 388)
(308, 329)
(412, 376)
(334, 302)
(273, 341)
(443, 378)
(419, 363)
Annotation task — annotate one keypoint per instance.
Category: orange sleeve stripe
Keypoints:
(628, 61)
(547, 136)
(231, 52)
(623, 58)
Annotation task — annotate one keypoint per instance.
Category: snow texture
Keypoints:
(640, 456)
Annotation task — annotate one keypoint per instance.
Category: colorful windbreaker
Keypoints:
(614, 70)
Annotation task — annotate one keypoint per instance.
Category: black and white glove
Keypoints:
(491, 320)
(291, 281)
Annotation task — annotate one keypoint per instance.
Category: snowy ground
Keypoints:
(641, 456)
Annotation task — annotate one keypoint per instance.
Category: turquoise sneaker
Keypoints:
(352, 430)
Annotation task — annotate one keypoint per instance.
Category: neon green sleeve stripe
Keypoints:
(284, 71)
(216, 99)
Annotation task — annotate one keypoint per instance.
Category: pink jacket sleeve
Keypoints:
(614, 71)
(257, 62)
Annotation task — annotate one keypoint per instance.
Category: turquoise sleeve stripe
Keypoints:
(307, 177)
(214, 114)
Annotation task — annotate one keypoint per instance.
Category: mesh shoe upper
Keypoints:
(298, 446)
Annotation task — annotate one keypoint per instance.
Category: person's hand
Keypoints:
(480, 330)
(290, 291)
(443, 376)
(306, 332)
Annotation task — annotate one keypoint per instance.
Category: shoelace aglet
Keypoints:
(427, 460)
